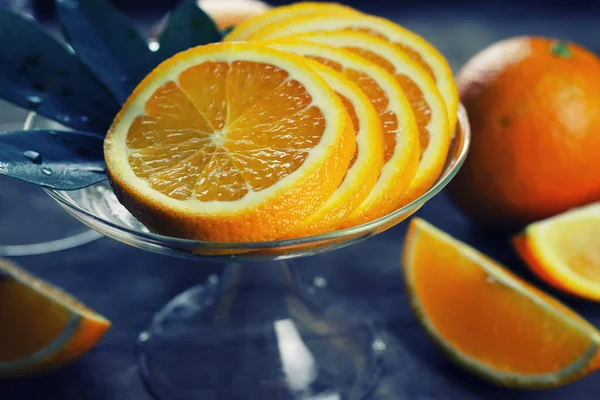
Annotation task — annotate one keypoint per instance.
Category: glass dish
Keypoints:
(257, 331)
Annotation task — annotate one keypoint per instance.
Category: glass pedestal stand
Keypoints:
(260, 333)
(257, 332)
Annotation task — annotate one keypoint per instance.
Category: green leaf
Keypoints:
(227, 31)
(187, 26)
(39, 73)
(61, 160)
(107, 42)
(561, 49)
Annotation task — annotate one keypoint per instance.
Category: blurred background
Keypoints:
(459, 28)
(46, 5)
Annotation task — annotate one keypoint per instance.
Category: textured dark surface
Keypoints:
(128, 285)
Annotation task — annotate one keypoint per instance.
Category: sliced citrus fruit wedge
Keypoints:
(365, 167)
(489, 320)
(422, 93)
(244, 30)
(397, 120)
(41, 327)
(229, 142)
(565, 250)
(421, 51)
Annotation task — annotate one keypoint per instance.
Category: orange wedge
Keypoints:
(246, 29)
(489, 320)
(564, 250)
(421, 91)
(229, 142)
(365, 166)
(41, 327)
(397, 120)
(415, 46)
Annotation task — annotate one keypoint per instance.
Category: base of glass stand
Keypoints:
(258, 333)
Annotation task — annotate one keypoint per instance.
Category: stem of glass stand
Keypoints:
(259, 331)
(274, 278)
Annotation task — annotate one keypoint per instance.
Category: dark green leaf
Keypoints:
(227, 31)
(107, 42)
(38, 73)
(62, 160)
(561, 49)
(187, 26)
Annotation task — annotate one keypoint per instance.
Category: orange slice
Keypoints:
(42, 327)
(421, 51)
(246, 29)
(565, 250)
(229, 142)
(489, 320)
(398, 124)
(365, 166)
(422, 93)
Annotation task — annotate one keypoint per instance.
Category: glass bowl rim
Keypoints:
(442, 181)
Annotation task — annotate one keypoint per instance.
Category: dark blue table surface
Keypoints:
(128, 285)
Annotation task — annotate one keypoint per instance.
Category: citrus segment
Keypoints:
(565, 250)
(246, 29)
(229, 136)
(421, 51)
(397, 122)
(426, 101)
(489, 320)
(42, 327)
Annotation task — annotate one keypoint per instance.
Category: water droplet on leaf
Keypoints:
(99, 170)
(46, 171)
(34, 101)
(378, 345)
(154, 46)
(33, 156)
(320, 282)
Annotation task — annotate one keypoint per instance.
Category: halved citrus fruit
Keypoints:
(489, 320)
(365, 166)
(565, 250)
(41, 327)
(422, 93)
(229, 142)
(244, 30)
(421, 51)
(398, 124)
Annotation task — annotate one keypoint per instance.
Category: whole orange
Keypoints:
(534, 108)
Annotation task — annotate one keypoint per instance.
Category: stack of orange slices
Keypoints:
(306, 119)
